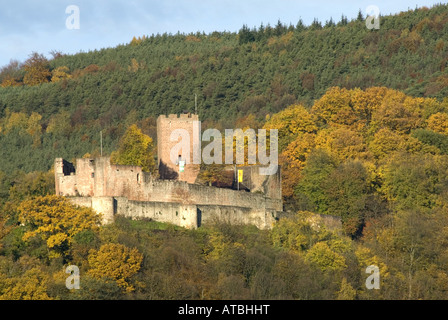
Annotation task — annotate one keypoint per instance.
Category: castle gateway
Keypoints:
(174, 197)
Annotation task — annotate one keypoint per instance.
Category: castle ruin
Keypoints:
(174, 197)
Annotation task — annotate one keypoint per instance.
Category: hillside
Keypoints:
(362, 118)
(258, 71)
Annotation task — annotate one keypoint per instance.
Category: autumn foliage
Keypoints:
(135, 148)
(117, 262)
(352, 128)
(362, 117)
(56, 221)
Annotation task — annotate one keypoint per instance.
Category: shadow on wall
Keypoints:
(166, 172)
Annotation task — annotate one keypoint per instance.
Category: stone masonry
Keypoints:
(165, 126)
(127, 190)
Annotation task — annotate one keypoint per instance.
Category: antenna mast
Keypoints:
(195, 103)
(101, 139)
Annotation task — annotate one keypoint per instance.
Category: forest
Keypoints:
(362, 117)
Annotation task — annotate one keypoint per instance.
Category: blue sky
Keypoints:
(35, 25)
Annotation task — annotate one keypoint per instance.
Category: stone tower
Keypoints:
(165, 126)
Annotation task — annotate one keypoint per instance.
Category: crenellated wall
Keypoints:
(165, 126)
(127, 190)
(117, 189)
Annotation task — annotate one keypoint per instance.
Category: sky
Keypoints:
(28, 26)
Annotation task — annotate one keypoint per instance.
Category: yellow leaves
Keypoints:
(136, 41)
(33, 124)
(344, 143)
(346, 292)
(135, 65)
(56, 240)
(334, 107)
(59, 123)
(191, 38)
(272, 41)
(55, 220)
(398, 112)
(367, 258)
(4, 229)
(37, 70)
(384, 142)
(220, 247)
(290, 122)
(325, 258)
(23, 123)
(286, 38)
(298, 150)
(300, 232)
(117, 262)
(411, 40)
(377, 107)
(280, 42)
(10, 81)
(32, 285)
(135, 148)
(15, 120)
(60, 73)
(438, 122)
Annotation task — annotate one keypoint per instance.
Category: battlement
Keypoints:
(127, 190)
(165, 126)
(182, 116)
(99, 184)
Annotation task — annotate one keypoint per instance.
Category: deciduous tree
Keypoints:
(56, 221)
(117, 262)
(135, 148)
(37, 70)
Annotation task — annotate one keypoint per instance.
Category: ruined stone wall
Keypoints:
(105, 206)
(185, 215)
(269, 185)
(126, 190)
(262, 219)
(64, 176)
(175, 213)
(120, 180)
(97, 177)
(84, 182)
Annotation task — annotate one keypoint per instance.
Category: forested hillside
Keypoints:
(258, 71)
(362, 117)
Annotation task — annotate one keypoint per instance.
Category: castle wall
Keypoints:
(175, 213)
(185, 215)
(127, 190)
(98, 178)
(84, 182)
(106, 206)
(269, 185)
(64, 174)
(119, 180)
(211, 214)
(65, 185)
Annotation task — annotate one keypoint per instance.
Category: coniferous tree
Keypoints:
(360, 16)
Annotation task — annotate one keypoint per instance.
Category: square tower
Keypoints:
(182, 168)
